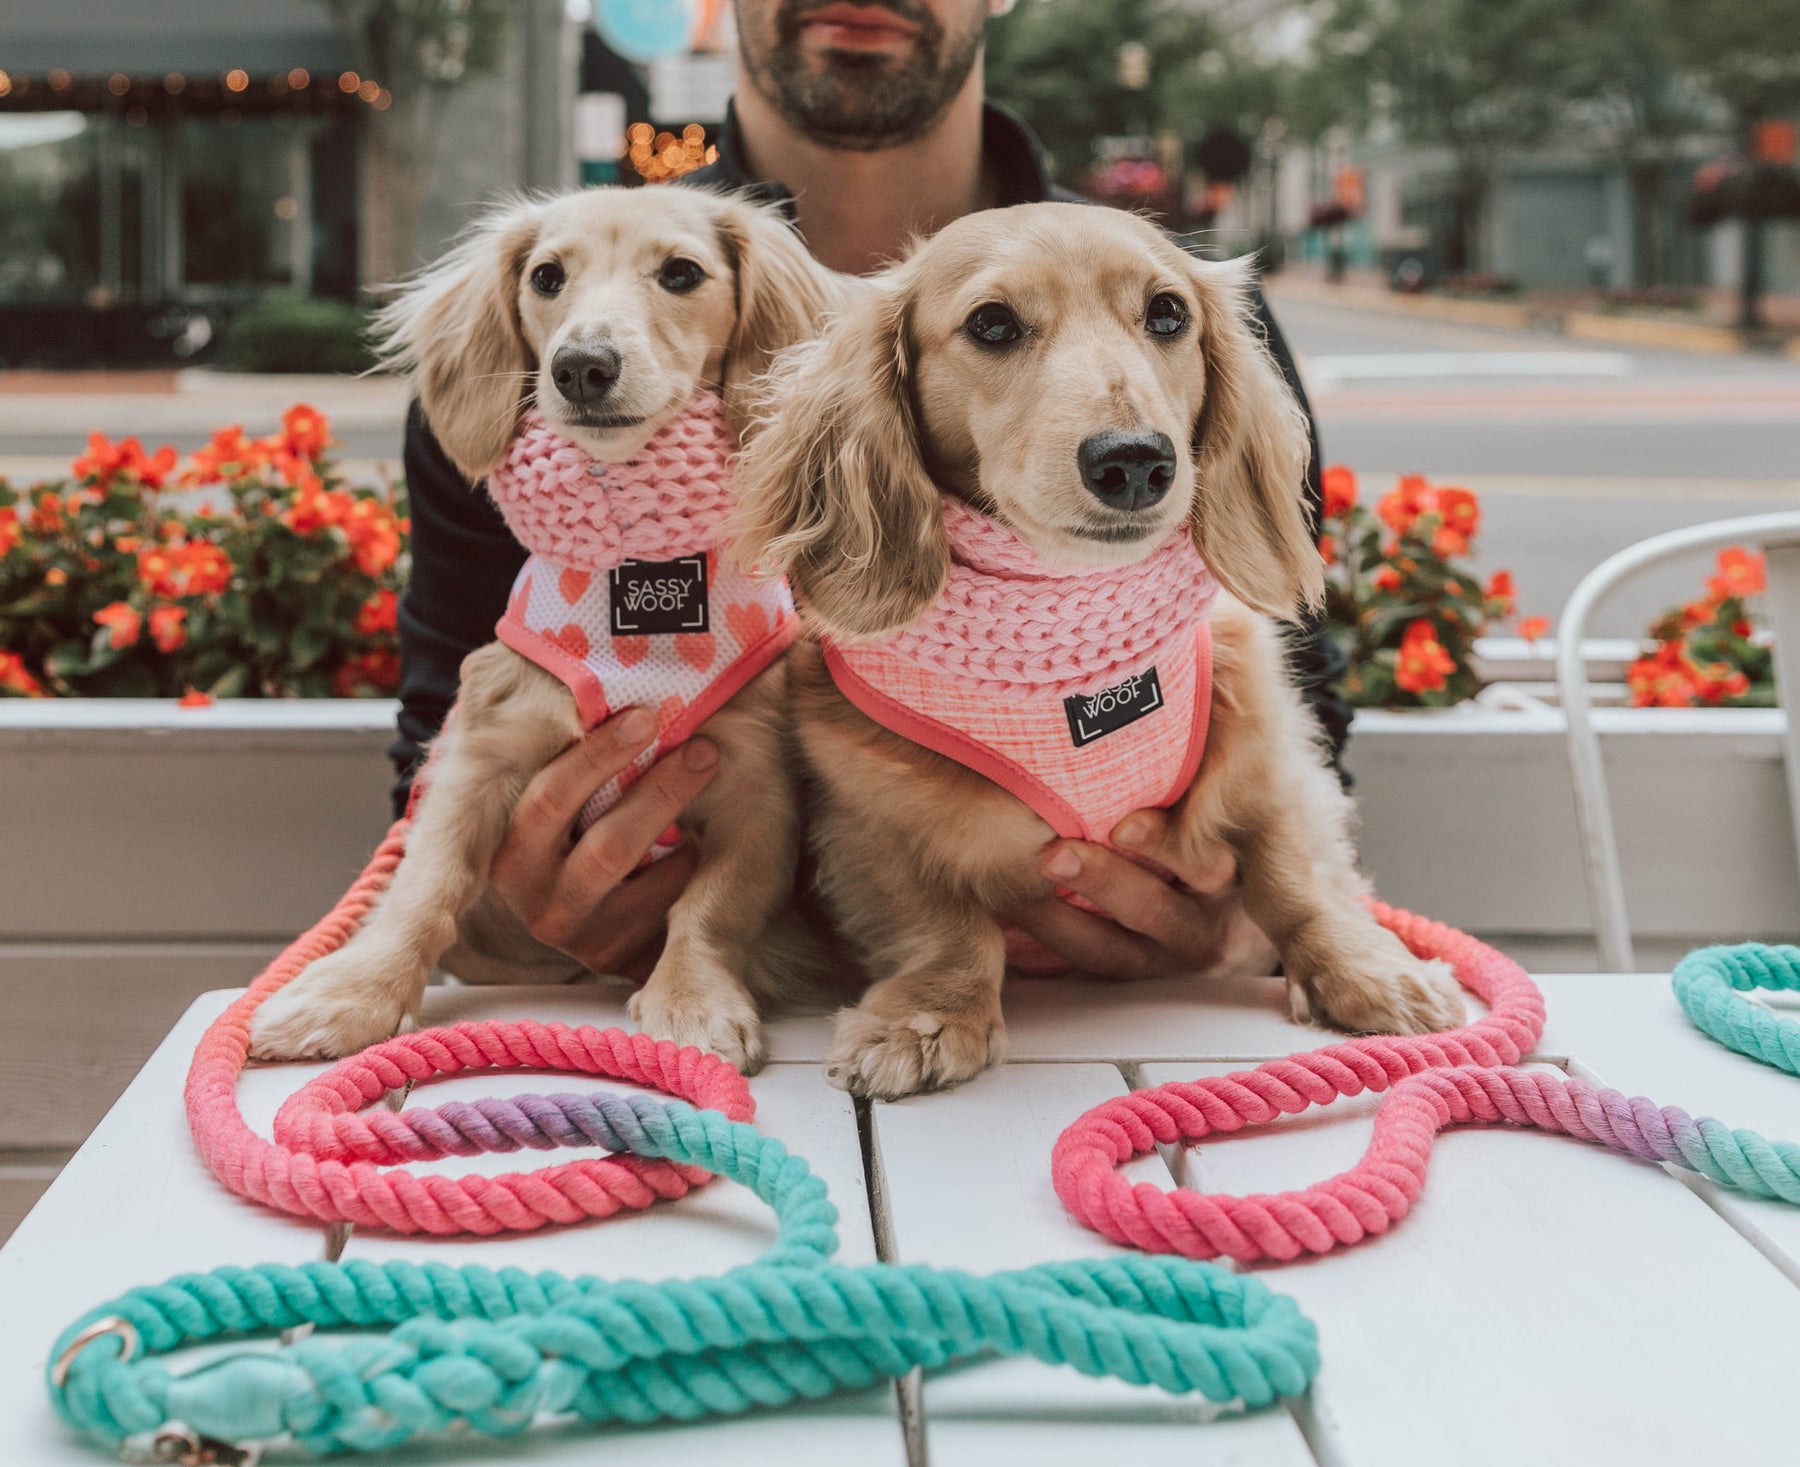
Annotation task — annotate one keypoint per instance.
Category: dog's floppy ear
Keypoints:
(782, 296)
(1250, 448)
(455, 329)
(832, 483)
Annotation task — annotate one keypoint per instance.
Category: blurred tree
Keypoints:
(1630, 65)
(418, 52)
(1479, 77)
(1057, 63)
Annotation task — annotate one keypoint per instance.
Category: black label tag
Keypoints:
(1094, 715)
(659, 596)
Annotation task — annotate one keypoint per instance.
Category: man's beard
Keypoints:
(858, 101)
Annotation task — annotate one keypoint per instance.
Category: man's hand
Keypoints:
(1157, 929)
(586, 897)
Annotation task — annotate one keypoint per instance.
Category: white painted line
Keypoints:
(1372, 366)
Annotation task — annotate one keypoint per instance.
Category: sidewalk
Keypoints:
(1549, 314)
(195, 400)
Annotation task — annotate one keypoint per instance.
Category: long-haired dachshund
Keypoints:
(1053, 391)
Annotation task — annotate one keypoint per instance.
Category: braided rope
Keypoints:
(494, 1350)
(1008, 624)
(1710, 983)
(324, 1162)
(1436, 1080)
(572, 509)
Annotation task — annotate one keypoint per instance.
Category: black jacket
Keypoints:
(465, 559)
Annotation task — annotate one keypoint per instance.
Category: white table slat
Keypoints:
(1546, 1300)
(1657, 1052)
(714, 1228)
(134, 1206)
(966, 1176)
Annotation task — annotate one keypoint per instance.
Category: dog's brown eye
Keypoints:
(993, 325)
(679, 275)
(548, 278)
(1166, 315)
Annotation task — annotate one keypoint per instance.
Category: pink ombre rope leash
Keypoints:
(1435, 1080)
(323, 1161)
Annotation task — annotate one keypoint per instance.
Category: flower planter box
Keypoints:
(157, 852)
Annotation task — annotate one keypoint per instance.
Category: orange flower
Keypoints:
(1697, 613)
(1460, 510)
(1402, 506)
(1423, 665)
(56, 576)
(1500, 589)
(378, 614)
(194, 698)
(1741, 628)
(1446, 543)
(1533, 627)
(374, 536)
(104, 462)
(1663, 679)
(229, 455)
(46, 514)
(10, 533)
(15, 679)
(316, 509)
(168, 627)
(1740, 574)
(379, 670)
(196, 568)
(304, 431)
(1339, 484)
(122, 623)
(1387, 579)
(1328, 549)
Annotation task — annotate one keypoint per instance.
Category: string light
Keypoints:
(237, 79)
(368, 91)
(349, 82)
(299, 79)
(660, 156)
(5, 84)
(174, 83)
(384, 99)
(59, 80)
(118, 84)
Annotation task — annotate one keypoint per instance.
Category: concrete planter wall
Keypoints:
(152, 852)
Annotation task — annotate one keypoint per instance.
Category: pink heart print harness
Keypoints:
(625, 597)
(1084, 693)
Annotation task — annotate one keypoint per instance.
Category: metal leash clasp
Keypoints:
(176, 1445)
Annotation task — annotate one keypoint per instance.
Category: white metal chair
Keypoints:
(1779, 536)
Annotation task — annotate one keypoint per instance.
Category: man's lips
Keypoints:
(854, 26)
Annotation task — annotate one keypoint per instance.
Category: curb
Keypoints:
(1577, 325)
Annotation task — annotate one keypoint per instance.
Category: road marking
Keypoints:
(1366, 366)
(1569, 486)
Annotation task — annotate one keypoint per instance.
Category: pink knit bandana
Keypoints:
(1085, 693)
(625, 597)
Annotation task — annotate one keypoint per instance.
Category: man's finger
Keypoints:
(1153, 835)
(1090, 943)
(630, 919)
(610, 849)
(537, 838)
(1129, 894)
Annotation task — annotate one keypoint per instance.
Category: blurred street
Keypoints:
(1576, 449)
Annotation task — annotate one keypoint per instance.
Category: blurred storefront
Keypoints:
(161, 163)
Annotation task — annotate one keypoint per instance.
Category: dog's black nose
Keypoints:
(585, 374)
(1127, 470)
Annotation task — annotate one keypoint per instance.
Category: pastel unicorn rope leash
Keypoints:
(322, 1163)
(495, 1350)
(1436, 1080)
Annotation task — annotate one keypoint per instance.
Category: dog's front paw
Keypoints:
(884, 1058)
(339, 1005)
(1395, 994)
(727, 1025)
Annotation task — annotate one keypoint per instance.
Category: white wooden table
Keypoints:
(1546, 1301)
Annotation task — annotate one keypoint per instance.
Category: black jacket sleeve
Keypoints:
(464, 560)
(1317, 660)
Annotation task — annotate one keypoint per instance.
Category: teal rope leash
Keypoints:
(495, 1349)
(1710, 985)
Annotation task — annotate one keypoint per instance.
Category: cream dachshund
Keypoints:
(610, 311)
(1074, 377)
